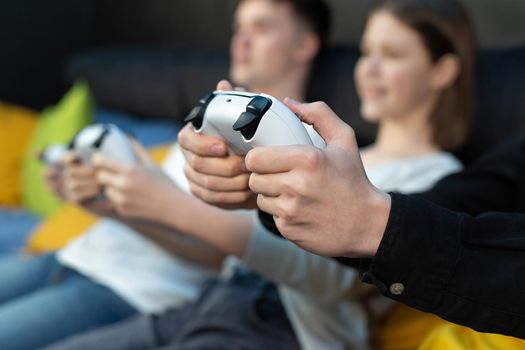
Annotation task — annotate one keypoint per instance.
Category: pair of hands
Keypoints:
(320, 199)
(131, 191)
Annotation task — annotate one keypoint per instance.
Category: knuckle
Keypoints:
(233, 167)
(320, 105)
(209, 182)
(313, 158)
(196, 162)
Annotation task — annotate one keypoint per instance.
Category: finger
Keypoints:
(224, 85)
(280, 159)
(227, 167)
(82, 192)
(109, 179)
(268, 205)
(79, 172)
(324, 120)
(220, 198)
(102, 162)
(142, 154)
(203, 145)
(267, 185)
(115, 197)
(218, 183)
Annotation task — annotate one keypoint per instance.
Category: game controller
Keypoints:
(107, 139)
(246, 120)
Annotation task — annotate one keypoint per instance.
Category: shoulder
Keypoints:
(415, 174)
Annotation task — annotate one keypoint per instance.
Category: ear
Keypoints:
(446, 71)
(307, 48)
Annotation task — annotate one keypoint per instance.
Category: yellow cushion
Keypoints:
(453, 337)
(404, 328)
(159, 153)
(16, 127)
(70, 220)
(59, 228)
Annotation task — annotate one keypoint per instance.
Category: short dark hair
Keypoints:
(445, 28)
(315, 14)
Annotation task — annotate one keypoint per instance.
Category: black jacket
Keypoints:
(465, 263)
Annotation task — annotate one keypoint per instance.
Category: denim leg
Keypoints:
(22, 275)
(51, 313)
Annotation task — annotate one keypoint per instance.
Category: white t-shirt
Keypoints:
(314, 290)
(134, 267)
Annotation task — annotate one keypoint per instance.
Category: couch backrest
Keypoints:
(167, 83)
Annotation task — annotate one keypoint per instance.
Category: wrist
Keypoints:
(377, 209)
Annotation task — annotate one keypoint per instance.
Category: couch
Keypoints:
(149, 91)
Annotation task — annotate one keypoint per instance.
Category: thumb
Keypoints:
(324, 120)
(224, 85)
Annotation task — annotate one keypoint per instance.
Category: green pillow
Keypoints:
(57, 124)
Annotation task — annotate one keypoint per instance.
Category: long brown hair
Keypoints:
(445, 28)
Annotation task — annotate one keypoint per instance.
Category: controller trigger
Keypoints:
(196, 116)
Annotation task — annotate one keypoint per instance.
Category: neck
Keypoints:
(291, 85)
(400, 138)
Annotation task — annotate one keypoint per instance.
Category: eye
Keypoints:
(393, 53)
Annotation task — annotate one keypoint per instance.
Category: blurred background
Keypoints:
(38, 37)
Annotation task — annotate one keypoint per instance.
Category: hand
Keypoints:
(136, 191)
(214, 175)
(76, 182)
(320, 199)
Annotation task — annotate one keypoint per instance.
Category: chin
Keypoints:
(240, 77)
(372, 114)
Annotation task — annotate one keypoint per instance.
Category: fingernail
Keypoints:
(217, 149)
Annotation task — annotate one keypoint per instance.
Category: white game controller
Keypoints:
(107, 139)
(246, 120)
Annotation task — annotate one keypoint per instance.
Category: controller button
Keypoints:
(247, 124)
(259, 105)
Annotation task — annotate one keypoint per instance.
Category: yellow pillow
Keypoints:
(59, 228)
(404, 328)
(71, 220)
(16, 127)
(453, 337)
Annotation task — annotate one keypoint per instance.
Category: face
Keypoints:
(264, 44)
(393, 75)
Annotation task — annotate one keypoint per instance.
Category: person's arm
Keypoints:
(464, 269)
(76, 182)
(495, 182)
(281, 261)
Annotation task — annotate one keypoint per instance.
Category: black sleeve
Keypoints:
(268, 222)
(496, 182)
(468, 270)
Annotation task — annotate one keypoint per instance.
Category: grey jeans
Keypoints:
(244, 312)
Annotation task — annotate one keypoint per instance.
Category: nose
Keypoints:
(242, 37)
(372, 65)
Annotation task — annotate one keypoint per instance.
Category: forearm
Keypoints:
(179, 244)
(228, 231)
(286, 264)
(166, 237)
(461, 268)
